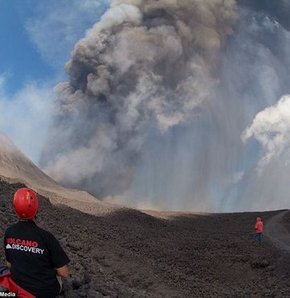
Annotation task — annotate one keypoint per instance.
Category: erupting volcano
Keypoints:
(164, 105)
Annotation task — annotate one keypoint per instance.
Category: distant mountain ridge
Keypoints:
(16, 167)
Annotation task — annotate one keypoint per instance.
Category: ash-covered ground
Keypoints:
(132, 254)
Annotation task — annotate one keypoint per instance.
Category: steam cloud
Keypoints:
(158, 96)
(145, 65)
(271, 127)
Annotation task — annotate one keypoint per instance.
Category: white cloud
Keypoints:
(271, 128)
(25, 116)
(59, 24)
(54, 28)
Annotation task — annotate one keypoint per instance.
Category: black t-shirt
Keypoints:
(34, 254)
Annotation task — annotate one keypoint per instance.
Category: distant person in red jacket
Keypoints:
(259, 227)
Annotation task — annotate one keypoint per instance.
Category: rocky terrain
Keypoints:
(127, 253)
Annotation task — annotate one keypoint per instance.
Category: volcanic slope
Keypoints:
(16, 167)
(128, 253)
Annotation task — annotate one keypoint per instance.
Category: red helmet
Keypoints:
(25, 203)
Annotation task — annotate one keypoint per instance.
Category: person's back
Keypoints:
(34, 256)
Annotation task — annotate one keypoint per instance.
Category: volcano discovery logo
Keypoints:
(24, 245)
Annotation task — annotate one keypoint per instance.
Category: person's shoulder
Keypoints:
(48, 235)
(42, 230)
(12, 226)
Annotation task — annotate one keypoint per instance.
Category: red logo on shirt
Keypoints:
(29, 243)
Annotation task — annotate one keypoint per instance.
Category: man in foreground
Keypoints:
(34, 256)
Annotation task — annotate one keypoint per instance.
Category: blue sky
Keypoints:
(36, 39)
(20, 60)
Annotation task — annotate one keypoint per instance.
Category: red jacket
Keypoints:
(259, 226)
(8, 283)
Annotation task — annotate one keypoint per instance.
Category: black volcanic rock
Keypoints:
(132, 254)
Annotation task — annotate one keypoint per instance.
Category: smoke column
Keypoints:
(159, 96)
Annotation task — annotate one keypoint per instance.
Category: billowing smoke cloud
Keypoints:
(271, 128)
(146, 66)
(158, 96)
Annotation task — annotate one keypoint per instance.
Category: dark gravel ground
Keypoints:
(132, 254)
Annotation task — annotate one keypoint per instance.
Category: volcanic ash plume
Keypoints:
(147, 66)
(271, 128)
